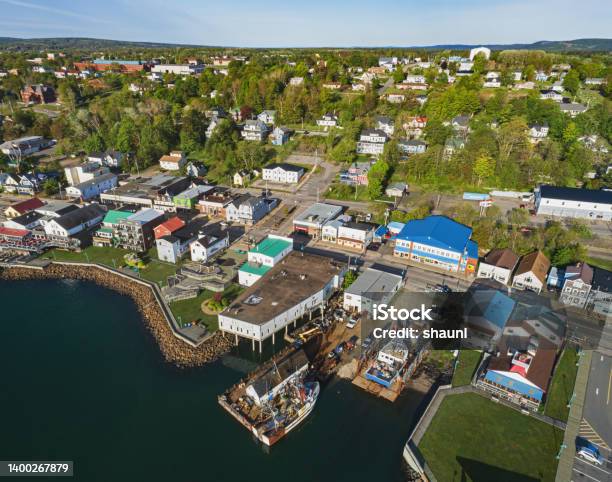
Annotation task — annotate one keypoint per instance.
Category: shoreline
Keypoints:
(173, 349)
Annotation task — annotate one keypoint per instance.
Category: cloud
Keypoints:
(54, 10)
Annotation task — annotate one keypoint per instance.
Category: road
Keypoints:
(598, 404)
(386, 86)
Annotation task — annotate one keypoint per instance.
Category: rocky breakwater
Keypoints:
(175, 350)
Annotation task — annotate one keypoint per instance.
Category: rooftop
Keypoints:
(502, 258)
(576, 194)
(374, 281)
(438, 231)
(272, 246)
(293, 280)
(318, 213)
(145, 215)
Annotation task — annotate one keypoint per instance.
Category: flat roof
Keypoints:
(318, 214)
(145, 215)
(257, 269)
(374, 281)
(272, 246)
(293, 280)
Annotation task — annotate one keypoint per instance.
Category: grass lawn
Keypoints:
(344, 192)
(600, 263)
(186, 311)
(474, 439)
(467, 362)
(562, 385)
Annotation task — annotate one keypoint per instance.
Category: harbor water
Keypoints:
(83, 380)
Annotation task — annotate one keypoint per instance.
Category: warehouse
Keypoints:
(570, 202)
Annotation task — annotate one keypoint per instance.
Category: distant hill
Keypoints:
(79, 43)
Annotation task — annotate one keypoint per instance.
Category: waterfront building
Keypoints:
(295, 287)
(74, 222)
(263, 257)
(210, 239)
(105, 234)
(372, 286)
(136, 231)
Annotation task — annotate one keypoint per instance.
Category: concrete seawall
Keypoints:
(176, 348)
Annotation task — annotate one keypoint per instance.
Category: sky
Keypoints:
(310, 23)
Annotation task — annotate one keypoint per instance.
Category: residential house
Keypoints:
(594, 81)
(415, 79)
(371, 141)
(385, 124)
(332, 85)
(414, 126)
(281, 135)
(541, 76)
(356, 235)
(397, 189)
(215, 203)
(531, 272)
(439, 242)
(242, 177)
(527, 85)
(172, 247)
(452, 145)
(537, 132)
(282, 173)
(263, 257)
(188, 198)
(168, 227)
(551, 95)
(23, 207)
(396, 98)
(461, 124)
(499, 265)
(26, 221)
(356, 174)
(136, 231)
(255, 130)
(195, 169)
(92, 188)
(109, 158)
(105, 234)
(328, 120)
(412, 146)
(267, 116)
(600, 297)
(572, 202)
(38, 94)
(572, 108)
(173, 161)
(211, 239)
(25, 146)
(84, 172)
(577, 285)
(296, 81)
(212, 125)
(246, 209)
(76, 221)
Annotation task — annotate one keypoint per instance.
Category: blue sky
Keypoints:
(310, 22)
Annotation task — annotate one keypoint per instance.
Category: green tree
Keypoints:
(376, 178)
(484, 167)
(571, 82)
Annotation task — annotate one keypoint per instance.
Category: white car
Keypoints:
(351, 323)
(590, 456)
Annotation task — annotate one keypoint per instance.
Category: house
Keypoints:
(541, 76)
(84, 172)
(421, 99)
(397, 189)
(332, 85)
(211, 239)
(263, 257)
(282, 173)
(281, 135)
(486, 312)
(246, 209)
(537, 132)
(329, 232)
(461, 123)
(371, 141)
(439, 242)
(531, 272)
(214, 204)
(600, 296)
(267, 116)
(26, 221)
(168, 227)
(195, 169)
(373, 286)
(173, 161)
(28, 183)
(594, 81)
(296, 81)
(452, 145)
(499, 265)
(572, 202)
(93, 187)
(395, 98)
(212, 125)
(23, 207)
(356, 174)
(172, 247)
(25, 146)
(551, 95)
(312, 220)
(558, 86)
(412, 146)
(577, 284)
(385, 124)
(414, 126)
(241, 178)
(76, 221)
(136, 231)
(188, 198)
(105, 234)
(328, 120)
(357, 236)
(572, 108)
(415, 79)
(109, 158)
(38, 94)
(255, 130)
(527, 85)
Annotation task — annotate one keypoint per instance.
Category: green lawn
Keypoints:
(600, 263)
(186, 311)
(467, 362)
(562, 385)
(474, 439)
(344, 192)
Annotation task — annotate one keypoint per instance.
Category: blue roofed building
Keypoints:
(439, 242)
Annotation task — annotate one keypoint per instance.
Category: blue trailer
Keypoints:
(475, 196)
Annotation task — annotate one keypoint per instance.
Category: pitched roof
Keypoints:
(535, 262)
(502, 258)
(579, 271)
(172, 224)
(28, 205)
(285, 167)
(80, 216)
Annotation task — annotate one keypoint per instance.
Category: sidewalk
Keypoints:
(566, 460)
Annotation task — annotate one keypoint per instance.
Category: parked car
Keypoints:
(366, 343)
(352, 342)
(591, 456)
(374, 246)
(351, 323)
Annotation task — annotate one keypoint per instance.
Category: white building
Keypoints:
(267, 116)
(84, 172)
(263, 257)
(75, 221)
(211, 239)
(173, 161)
(531, 272)
(356, 235)
(371, 141)
(255, 130)
(573, 202)
(177, 69)
(109, 158)
(282, 173)
(328, 120)
(372, 287)
(499, 265)
(92, 188)
(537, 132)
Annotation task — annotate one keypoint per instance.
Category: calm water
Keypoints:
(83, 380)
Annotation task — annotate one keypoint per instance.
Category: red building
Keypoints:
(38, 94)
(168, 227)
